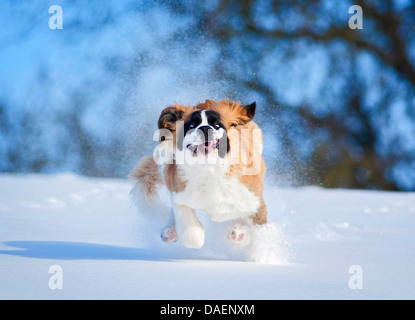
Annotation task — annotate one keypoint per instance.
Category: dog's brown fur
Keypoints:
(239, 118)
(146, 173)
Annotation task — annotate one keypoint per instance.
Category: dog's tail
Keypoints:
(149, 194)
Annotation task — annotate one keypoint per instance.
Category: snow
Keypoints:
(88, 227)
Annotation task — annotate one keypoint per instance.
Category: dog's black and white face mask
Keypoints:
(204, 135)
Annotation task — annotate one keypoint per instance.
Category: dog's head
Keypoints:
(202, 130)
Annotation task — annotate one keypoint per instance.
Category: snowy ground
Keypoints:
(106, 251)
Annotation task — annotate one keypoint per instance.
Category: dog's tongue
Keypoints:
(208, 144)
(204, 147)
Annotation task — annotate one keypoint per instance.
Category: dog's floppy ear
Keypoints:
(234, 113)
(244, 114)
(250, 110)
(169, 116)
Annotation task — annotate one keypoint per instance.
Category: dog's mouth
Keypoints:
(204, 148)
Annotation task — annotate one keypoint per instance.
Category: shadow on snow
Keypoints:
(80, 251)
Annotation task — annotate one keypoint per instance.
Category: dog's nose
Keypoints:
(207, 131)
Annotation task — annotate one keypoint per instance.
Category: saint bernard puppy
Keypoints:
(209, 157)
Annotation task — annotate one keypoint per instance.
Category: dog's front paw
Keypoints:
(169, 234)
(193, 237)
(240, 235)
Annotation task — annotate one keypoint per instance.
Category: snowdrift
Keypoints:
(106, 250)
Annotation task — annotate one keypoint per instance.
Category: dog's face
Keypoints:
(202, 131)
(205, 134)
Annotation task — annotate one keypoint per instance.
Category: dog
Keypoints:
(209, 157)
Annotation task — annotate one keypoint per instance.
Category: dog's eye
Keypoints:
(217, 126)
(191, 126)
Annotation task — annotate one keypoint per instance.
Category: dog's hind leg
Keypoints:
(168, 233)
(260, 217)
(240, 233)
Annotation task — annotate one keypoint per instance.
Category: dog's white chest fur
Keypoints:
(209, 189)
